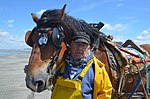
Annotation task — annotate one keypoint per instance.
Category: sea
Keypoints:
(9, 52)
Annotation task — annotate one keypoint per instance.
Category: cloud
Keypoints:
(144, 37)
(9, 37)
(139, 38)
(3, 33)
(126, 17)
(16, 39)
(10, 21)
(147, 9)
(94, 5)
(41, 11)
(85, 1)
(116, 27)
(10, 25)
(11, 41)
(119, 5)
(88, 6)
(108, 27)
(119, 39)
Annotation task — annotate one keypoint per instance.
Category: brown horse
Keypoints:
(50, 41)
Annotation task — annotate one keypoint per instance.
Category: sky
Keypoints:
(123, 19)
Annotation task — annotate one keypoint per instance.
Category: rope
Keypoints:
(138, 83)
(135, 88)
(121, 84)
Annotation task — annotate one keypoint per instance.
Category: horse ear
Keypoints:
(62, 12)
(28, 39)
(35, 17)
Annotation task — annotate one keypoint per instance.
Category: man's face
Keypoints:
(79, 50)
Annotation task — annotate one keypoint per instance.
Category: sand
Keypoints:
(12, 83)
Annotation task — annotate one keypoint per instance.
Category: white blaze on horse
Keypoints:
(50, 41)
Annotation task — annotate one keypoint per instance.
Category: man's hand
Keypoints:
(26, 69)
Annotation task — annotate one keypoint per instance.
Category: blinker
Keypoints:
(43, 39)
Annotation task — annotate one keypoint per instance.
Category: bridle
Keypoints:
(57, 38)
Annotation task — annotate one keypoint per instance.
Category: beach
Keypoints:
(12, 76)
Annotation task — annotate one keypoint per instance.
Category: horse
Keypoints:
(50, 41)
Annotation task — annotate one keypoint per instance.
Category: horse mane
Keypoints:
(70, 24)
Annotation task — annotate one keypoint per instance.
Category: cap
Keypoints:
(81, 37)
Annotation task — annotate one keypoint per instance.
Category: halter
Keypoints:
(57, 38)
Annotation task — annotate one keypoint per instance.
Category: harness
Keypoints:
(128, 59)
(57, 38)
(69, 89)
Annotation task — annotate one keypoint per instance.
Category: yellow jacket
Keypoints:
(102, 84)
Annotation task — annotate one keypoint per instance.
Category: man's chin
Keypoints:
(79, 57)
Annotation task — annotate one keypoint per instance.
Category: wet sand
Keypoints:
(12, 83)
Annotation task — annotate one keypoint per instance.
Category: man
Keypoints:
(82, 75)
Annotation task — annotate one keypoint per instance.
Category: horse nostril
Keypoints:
(39, 83)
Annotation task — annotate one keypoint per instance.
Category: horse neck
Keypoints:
(62, 54)
(68, 37)
(65, 48)
(101, 54)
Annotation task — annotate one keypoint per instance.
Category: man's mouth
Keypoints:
(80, 53)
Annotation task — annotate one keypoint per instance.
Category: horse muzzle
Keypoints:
(39, 82)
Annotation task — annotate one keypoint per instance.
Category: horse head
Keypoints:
(48, 48)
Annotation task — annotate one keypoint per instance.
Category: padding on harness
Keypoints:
(116, 55)
(124, 59)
